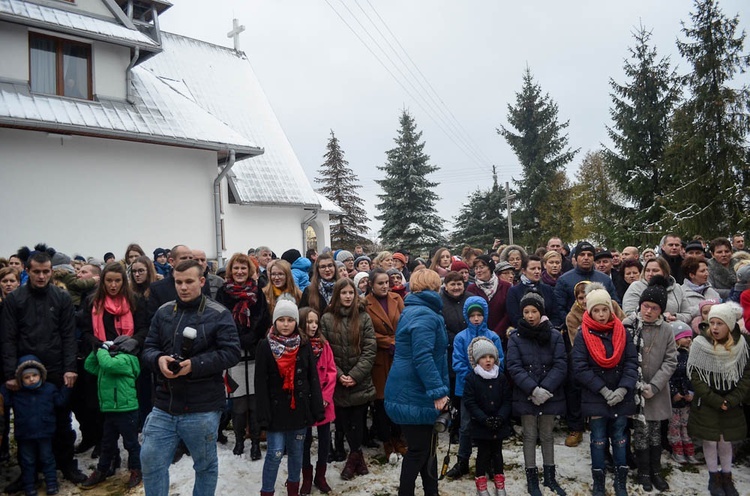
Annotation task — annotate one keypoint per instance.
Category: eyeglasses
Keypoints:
(326, 267)
(277, 275)
(139, 271)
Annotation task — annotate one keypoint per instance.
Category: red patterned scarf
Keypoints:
(120, 309)
(247, 296)
(595, 345)
(285, 349)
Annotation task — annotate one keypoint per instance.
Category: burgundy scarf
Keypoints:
(284, 349)
(247, 296)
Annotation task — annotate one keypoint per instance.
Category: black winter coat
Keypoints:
(39, 322)
(679, 383)
(488, 398)
(531, 364)
(453, 314)
(140, 321)
(592, 377)
(274, 404)
(164, 291)
(260, 320)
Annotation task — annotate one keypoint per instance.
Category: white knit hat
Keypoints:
(359, 276)
(729, 313)
(597, 295)
(285, 308)
(481, 346)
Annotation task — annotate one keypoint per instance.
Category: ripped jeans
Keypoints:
(605, 429)
(294, 442)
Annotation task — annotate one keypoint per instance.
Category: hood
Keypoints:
(509, 248)
(302, 263)
(29, 361)
(425, 298)
(476, 300)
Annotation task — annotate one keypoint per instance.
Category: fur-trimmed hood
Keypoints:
(27, 362)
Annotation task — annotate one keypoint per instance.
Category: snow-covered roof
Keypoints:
(64, 21)
(159, 115)
(222, 82)
(327, 206)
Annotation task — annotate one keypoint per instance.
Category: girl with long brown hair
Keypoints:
(142, 274)
(320, 291)
(280, 283)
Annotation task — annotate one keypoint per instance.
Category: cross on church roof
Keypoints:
(235, 33)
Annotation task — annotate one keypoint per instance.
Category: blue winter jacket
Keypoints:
(566, 283)
(419, 374)
(301, 271)
(461, 364)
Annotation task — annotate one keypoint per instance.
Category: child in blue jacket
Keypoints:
(475, 314)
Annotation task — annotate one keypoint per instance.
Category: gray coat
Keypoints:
(721, 278)
(676, 304)
(658, 355)
(693, 298)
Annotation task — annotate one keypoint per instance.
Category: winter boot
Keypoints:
(532, 482)
(361, 464)
(728, 484)
(655, 460)
(550, 480)
(307, 476)
(387, 449)
(481, 483)
(689, 449)
(621, 481)
(339, 454)
(94, 480)
(136, 477)
(500, 484)
(458, 470)
(574, 439)
(399, 446)
(350, 467)
(320, 478)
(678, 453)
(642, 457)
(52, 488)
(715, 484)
(239, 446)
(292, 488)
(116, 463)
(599, 476)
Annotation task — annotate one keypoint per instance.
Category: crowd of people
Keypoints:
(649, 349)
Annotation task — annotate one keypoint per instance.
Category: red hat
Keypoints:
(400, 256)
(458, 265)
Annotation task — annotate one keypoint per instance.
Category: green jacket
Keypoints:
(116, 377)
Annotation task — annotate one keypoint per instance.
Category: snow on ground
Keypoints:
(240, 476)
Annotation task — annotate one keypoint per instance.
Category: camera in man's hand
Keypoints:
(188, 338)
(443, 421)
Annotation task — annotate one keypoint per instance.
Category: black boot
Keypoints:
(532, 482)
(72, 473)
(728, 484)
(255, 450)
(550, 480)
(643, 460)
(116, 463)
(599, 476)
(339, 453)
(621, 481)
(656, 479)
(715, 486)
(458, 470)
(239, 446)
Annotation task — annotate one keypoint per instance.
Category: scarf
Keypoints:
(595, 345)
(120, 309)
(317, 347)
(489, 287)
(326, 289)
(487, 374)
(247, 296)
(698, 289)
(276, 291)
(527, 282)
(540, 333)
(718, 367)
(639, 341)
(284, 349)
(548, 279)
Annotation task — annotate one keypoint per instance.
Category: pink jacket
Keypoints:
(327, 375)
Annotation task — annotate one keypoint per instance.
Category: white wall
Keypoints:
(279, 228)
(109, 64)
(14, 56)
(90, 196)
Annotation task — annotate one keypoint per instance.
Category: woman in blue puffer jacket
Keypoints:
(417, 388)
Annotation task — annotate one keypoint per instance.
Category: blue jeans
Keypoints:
(294, 442)
(161, 434)
(33, 453)
(464, 434)
(612, 429)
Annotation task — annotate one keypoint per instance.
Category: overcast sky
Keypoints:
(319, 76)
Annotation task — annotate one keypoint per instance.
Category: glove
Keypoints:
(540, 395)
(107, 344)
(606, 393)
(617, 396)
(648, 391)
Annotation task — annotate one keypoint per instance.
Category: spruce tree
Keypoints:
(542, 149)
(408, 212)
(641, 110)
(341, 186)
(480, 219)
(710, 151)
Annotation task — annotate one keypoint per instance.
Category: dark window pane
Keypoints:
(75, 71)
(43, 66)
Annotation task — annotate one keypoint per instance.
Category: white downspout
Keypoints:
(306, 223)
(217, 206)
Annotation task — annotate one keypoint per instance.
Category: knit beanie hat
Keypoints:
(359, 276)
(656, 292)
(393, 272)
(597, 295)
(534, 299)
(743, 278)
(361, 258)
(503, 266)
(475, 307)
(695, 245)
(707, 301)
(343, 256)
(729, 313)
(285, 308)
(400, 257)
(108, 255)
(681, 330)
(339, 264)
(459, 265)
(291, 256)
(487, 260)
(60, 259)
(159, 252)
(584, 246)
(482, 346)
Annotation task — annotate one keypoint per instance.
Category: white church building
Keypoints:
(114, 132)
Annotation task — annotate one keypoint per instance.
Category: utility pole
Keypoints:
(508, 198)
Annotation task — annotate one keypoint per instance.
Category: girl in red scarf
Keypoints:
(288, 395)
(605, 364)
